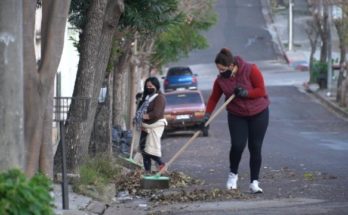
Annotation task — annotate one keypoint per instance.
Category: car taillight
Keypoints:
(168, 117)
(194, 79)
(199, 114)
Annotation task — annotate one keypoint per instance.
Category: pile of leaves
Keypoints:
(199, 195)
(131, 182)
(180, 185)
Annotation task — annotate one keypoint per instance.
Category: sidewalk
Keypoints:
(298, 57)
(78, 204)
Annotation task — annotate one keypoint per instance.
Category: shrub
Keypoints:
(97, 172)
(20, 195)
(319, 73)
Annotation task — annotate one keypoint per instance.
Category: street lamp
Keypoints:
(329, 54)
(291, 5)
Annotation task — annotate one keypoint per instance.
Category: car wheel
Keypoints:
(205, 131)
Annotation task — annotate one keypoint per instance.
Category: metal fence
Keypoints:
(61, 107)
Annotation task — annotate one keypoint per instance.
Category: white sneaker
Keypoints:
(232, 181)
(254, 187)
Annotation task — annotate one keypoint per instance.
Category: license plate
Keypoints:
(183, 117)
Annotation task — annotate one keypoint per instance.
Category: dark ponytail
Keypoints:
(224, 57)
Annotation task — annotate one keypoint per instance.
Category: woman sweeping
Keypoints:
(247, 114)
(150, 119)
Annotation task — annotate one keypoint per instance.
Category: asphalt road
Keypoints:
(241, 28)
(306, 145)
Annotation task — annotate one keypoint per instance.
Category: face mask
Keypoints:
(151, 90)
(226, 74)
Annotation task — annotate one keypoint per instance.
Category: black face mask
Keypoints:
(226, 74)
(151, 90)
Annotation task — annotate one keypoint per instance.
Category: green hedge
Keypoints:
(20, 195)
(319, 73)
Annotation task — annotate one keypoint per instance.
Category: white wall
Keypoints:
(68, 63)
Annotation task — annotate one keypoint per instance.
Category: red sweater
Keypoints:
(249, 77)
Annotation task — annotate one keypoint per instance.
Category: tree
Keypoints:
(39, 80)
(321, 20)
(342, 31)
(313, 36)
(95, 47)
(157, 17)
(138, 29)
(12, 148)
(166, 31)
(180, 39)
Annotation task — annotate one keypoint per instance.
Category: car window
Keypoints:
(179, 71)
(183, 98)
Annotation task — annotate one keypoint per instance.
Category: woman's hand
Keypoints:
(240, 92)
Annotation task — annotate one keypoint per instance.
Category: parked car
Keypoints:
(179, 78)
(185, 111)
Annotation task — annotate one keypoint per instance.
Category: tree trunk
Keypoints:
(324, 31)
(132, 93)
(313, 36)
(12, 148)
(102, 19)
(119, 95)
(344, 93)
(40, 82)
(340, 27)
(101, 135)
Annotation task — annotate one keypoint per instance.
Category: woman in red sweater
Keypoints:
(247, 114)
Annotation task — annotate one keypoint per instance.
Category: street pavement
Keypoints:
(278, 74)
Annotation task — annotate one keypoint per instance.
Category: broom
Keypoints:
(162, 182)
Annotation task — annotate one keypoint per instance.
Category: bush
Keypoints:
(319, 73)
(19, 195)
(97, 172)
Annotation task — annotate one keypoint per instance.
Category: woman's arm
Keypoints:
(257, 82)
(214, 98)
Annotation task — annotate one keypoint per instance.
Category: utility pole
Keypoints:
(329, 54)
(291, 20)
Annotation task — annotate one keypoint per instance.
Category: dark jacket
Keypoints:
(156, 109)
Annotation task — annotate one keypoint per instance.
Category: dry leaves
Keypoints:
(130, 182)
(199, 195)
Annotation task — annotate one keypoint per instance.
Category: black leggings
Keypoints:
(147, 157)
(253, 130)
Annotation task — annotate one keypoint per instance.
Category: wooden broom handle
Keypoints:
(223, 106)
(195, 135)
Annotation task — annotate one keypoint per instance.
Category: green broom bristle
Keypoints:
(156, 177)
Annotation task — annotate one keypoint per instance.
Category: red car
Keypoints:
(185, 111)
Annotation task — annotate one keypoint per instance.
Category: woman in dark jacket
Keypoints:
(247, 114)
(150, 119)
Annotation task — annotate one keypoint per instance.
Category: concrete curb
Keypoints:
(333, 106)
(328, 102)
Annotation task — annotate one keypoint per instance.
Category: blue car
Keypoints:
(179, 78)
